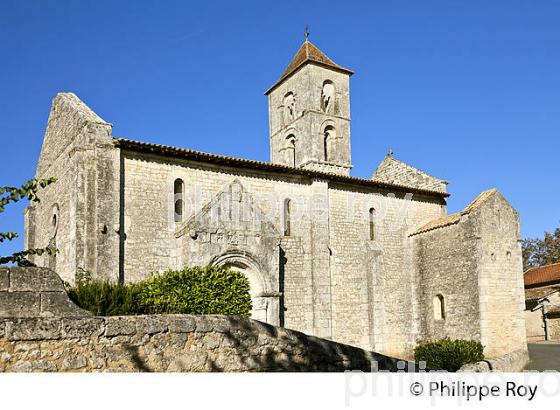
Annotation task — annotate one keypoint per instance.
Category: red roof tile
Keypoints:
(455, 218)
(188, 154)
(308, 53)
(542, 274)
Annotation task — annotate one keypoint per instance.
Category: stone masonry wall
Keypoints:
(372, 280)
(554, 327)
(309, 122)
(447, 266)
(534, 325)
(79, 213)
(65, 338)
(397, 172)
(475, 264)
(501, 290)
(329, 278)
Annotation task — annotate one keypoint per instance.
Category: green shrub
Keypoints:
(105, 298)
(195, 291)
(449, 354)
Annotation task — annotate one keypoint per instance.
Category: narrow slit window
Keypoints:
(372, 224)
(328, 141)
(178, 191)
(439, 307)
(291, 150)
(287, 217)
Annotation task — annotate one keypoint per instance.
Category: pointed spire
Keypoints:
(308, 53)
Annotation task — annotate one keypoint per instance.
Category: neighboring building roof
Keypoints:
(264, 166)
(543, 296)
(455, 218)
(393, 171)
(536, 294)
(308, 53)
(542, 275)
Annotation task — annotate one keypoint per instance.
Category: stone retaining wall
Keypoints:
(42, 330)
(511, 362)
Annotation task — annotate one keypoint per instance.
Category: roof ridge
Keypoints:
(391, 157)
(228, 160)
(479, 200)
(455, 217)
(541, 267)
(541, 275)
(308, 53)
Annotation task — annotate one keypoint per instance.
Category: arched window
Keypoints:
(327, 96)
(372, 224)
(439, 307)
(289, 107)
(287, 217)
(291, 150)
(329, 137)
(178, 193)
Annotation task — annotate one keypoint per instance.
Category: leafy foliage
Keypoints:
(448, 354)
(105, 298)
(10, 194)
(195, 291)
(199, 290)
(28, 190)
(539, 252)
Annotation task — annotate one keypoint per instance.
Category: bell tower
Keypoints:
(309, 114)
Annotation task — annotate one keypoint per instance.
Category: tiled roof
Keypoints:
(455, 218)
(542, 274)
(536, 294)
(308, 53)
(183, 153)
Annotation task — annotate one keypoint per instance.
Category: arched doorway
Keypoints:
(259, 289)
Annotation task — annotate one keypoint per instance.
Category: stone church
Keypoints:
(376, 263)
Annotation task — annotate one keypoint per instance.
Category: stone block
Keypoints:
(118, 326)
(19, 304)
(204, 324)
(22, 367)
(4, 279)
(44, 365)
(74, 362)
(34, 280)
(33, 329)
(181, 324)
(212, 340)
(82, 327)
(221, 324)
(58, 304)
(151, 324)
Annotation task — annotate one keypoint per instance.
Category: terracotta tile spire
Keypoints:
(308, 53)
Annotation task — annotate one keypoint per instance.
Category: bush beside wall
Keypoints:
(449, 354)
(195, 291)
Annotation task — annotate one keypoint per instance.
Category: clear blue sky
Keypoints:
(468, 91)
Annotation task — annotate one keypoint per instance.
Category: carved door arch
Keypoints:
(263, 299)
